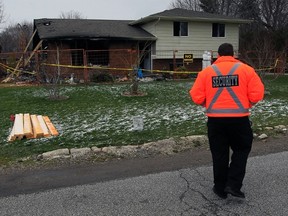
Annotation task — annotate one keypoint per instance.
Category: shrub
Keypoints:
(102, 77)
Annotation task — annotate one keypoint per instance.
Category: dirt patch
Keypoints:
(270, 145)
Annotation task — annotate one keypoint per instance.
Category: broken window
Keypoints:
(98, 57)
(77, 57)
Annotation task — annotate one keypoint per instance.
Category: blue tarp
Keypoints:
(139, 73)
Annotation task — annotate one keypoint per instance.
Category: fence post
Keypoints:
(174, 60)
(86, 77)
(37, 66)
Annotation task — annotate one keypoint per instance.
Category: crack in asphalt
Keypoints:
(183, 195)
(210, 207)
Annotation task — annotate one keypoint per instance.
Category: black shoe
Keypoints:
(219, 193)
(233, 192)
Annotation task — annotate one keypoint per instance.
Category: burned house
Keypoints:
(158, 42)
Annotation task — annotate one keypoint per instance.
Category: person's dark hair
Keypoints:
(226, 49)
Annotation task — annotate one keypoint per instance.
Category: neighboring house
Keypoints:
(165, 37)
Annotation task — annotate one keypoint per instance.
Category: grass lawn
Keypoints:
(98, 115)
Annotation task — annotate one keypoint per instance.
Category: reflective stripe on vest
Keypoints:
(240, 108)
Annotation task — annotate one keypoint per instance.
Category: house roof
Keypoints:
(120, 29)
(188, 15)
(86, 28)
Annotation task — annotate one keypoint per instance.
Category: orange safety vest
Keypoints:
(227, 94)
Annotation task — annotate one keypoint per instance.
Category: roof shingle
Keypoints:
(188, 15)
(86, 28)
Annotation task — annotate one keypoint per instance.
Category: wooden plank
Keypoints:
(12, 136)
(32, 53)
(43, 126)
(28, 131)
(37, 130)
(25, 50)
(50, 126)
(18, 123)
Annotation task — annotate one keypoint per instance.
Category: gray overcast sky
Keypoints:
(17, 11)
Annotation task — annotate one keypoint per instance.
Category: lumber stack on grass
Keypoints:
(12, 137)
(28, 130)
(43, 126)
(37, 130)
(31, 126)
(50, 126)
(18, 126)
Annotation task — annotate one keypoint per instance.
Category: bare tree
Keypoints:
(51, 76)
(186, 4)
(224, 7)
(15, 37)
(146, 49)
(248, 9)
(136, 58)
(9, 38)
(274, 13)
(274, 18)
(2, 14)
(71, 15)
(210, 6)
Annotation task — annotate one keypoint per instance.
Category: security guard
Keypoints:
(227, 89)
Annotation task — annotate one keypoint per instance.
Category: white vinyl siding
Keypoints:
(199, 36)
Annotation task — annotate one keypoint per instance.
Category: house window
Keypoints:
(98, 57)
(218, 30)
(180, 28)
(77, 57)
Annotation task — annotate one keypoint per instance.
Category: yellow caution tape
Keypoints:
(269, 68)
(127, 69)
(12, 70)
(151, 71)
(86, 67)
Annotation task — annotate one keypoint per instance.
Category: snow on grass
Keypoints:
(100, 115)
(270, 112)
(156, 113)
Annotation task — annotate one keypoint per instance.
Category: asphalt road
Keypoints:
(183, 191)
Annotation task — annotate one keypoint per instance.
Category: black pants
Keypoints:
(223, 134)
